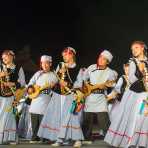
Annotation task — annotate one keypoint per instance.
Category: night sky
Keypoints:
(88, 26)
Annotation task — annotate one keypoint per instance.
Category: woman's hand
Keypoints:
(63, 83)
(3, 74)
(52, 84)
(102, 86)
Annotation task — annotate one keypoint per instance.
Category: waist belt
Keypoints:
(99, 91)
(46, 91)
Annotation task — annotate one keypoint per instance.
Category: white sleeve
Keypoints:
(21, 77)
(79, 80)
(57, 69)
(118, 85)
(34, 78)
(54, 79)
(86, 75)
(113, 75)
(132, 71)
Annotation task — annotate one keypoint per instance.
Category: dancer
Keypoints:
(11, 78)
(101, 77)
(39, 89)
(59, 124)
(125, 129)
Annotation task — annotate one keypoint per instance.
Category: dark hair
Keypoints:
(126, 65)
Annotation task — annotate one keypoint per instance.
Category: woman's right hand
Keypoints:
(3, 74)
(30, 90)
(63, 83)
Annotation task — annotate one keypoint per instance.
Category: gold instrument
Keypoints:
(88, 88)
(61, 75)
(19, 93)
(34, 90)
(5, 90)
(9, 91)
(145, 78)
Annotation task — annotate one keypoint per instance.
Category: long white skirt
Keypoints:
(7, 120)
(123, 126)
(51, 121)
(58, 122)
(24, 125)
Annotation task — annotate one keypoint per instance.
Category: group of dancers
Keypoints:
(59, 105)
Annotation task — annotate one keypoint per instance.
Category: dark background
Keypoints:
(36, 27)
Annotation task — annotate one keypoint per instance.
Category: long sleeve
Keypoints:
(53, 78)
(21, 77)
(118, 85)
(34, 78)
(79, 80)
(132, 71)
(86, 75)
(113, 75)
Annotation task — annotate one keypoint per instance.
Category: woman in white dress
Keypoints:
(59, 124)
(125, 129)
(11, 78)
(45, 79)
(116, 95)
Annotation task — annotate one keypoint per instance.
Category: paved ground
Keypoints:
(96, 144)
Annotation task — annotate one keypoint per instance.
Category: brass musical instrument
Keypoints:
(19, 93)
(34, 90)
(61, 75)
(4, 89)
(145, 78)
(88, 88)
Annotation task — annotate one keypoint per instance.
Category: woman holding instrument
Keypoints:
(11, 78)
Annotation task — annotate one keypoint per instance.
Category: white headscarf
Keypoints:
(107, 55)
(46, 58)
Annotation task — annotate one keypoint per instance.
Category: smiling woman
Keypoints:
(12, 77)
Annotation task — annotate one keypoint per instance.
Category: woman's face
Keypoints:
(102, 61)
(67, 56)
(7, 58)
(137, 50)
(46, 66)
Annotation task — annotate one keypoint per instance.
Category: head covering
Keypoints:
(70, 49)
(46, 58)
(107, 55)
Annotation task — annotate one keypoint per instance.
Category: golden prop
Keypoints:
(61, 77)
(34, 90)
(88, 88)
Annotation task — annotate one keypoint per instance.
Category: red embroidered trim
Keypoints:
(76, 128)
(49, 128)
(119, 134)
(142, 133)
(8, 130)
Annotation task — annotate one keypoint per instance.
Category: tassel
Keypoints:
(142, 107)
(73, 106)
